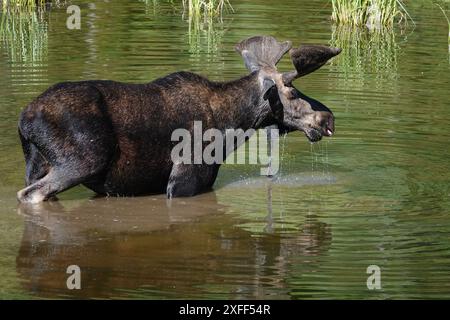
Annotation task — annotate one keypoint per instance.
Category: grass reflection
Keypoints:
(24, 34)
(448, 21)
(371, 13)
(206, 26)
(204, 19)
(204, 36)
(366, 54)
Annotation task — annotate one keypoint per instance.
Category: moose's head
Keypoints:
(291, 109)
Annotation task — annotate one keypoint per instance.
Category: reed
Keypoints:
(368, 57)
(21, 5)
(205, 38)
(448, 21)
(206, 9)
(24, 30)
(205, 22)
(206, 27)
(371, 13)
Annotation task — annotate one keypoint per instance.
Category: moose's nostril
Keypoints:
(329, 126)
(337, 50)
(330, 123)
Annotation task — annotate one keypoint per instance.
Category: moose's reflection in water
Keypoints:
(148, 247)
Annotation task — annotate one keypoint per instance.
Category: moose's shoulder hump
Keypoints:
(180, 78)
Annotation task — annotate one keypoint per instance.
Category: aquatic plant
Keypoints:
(205, 37)
(371, 13)
(206, 9)
(22, 5)
(205, 19)
(366, 54)
(24, 34)
(448, 21)
(24, 28)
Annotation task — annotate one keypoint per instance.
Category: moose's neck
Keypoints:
(238, 104)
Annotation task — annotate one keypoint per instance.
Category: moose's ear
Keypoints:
(308, 58)
(269, 88)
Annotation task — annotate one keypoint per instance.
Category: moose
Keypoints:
(115, 138)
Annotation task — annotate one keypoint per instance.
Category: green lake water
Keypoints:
(376, 193)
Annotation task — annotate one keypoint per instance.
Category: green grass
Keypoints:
(24, 29)
(24, 34)
(204, 18)
(206, 9)
(371, 13)
(448, 21)
(22, 5)
(367, 56)
(205, 23)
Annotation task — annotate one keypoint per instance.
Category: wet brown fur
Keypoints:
(115, 138)
(119, 135)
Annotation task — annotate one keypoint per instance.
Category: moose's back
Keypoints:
(124, 128)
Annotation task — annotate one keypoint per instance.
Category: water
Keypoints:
(376, 193)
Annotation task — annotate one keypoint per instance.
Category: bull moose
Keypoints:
(115, 138)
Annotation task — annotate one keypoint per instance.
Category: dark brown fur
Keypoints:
(115, 138)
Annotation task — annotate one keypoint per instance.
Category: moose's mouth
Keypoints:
(314, 134)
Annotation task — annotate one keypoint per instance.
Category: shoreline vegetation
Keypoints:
(205, 20)
(207, 9)
(24, 23)
(24, 35)
(206, 26)
(366, 55)
(374, 14)
(21, 5)
(448, 22)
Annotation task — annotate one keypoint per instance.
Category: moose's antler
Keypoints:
(308, 58)
(262, 51)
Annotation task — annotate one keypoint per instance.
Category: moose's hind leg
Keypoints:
(43, 189)
(76, 143)
(66, 169)
(36, 166)
(68, 166)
